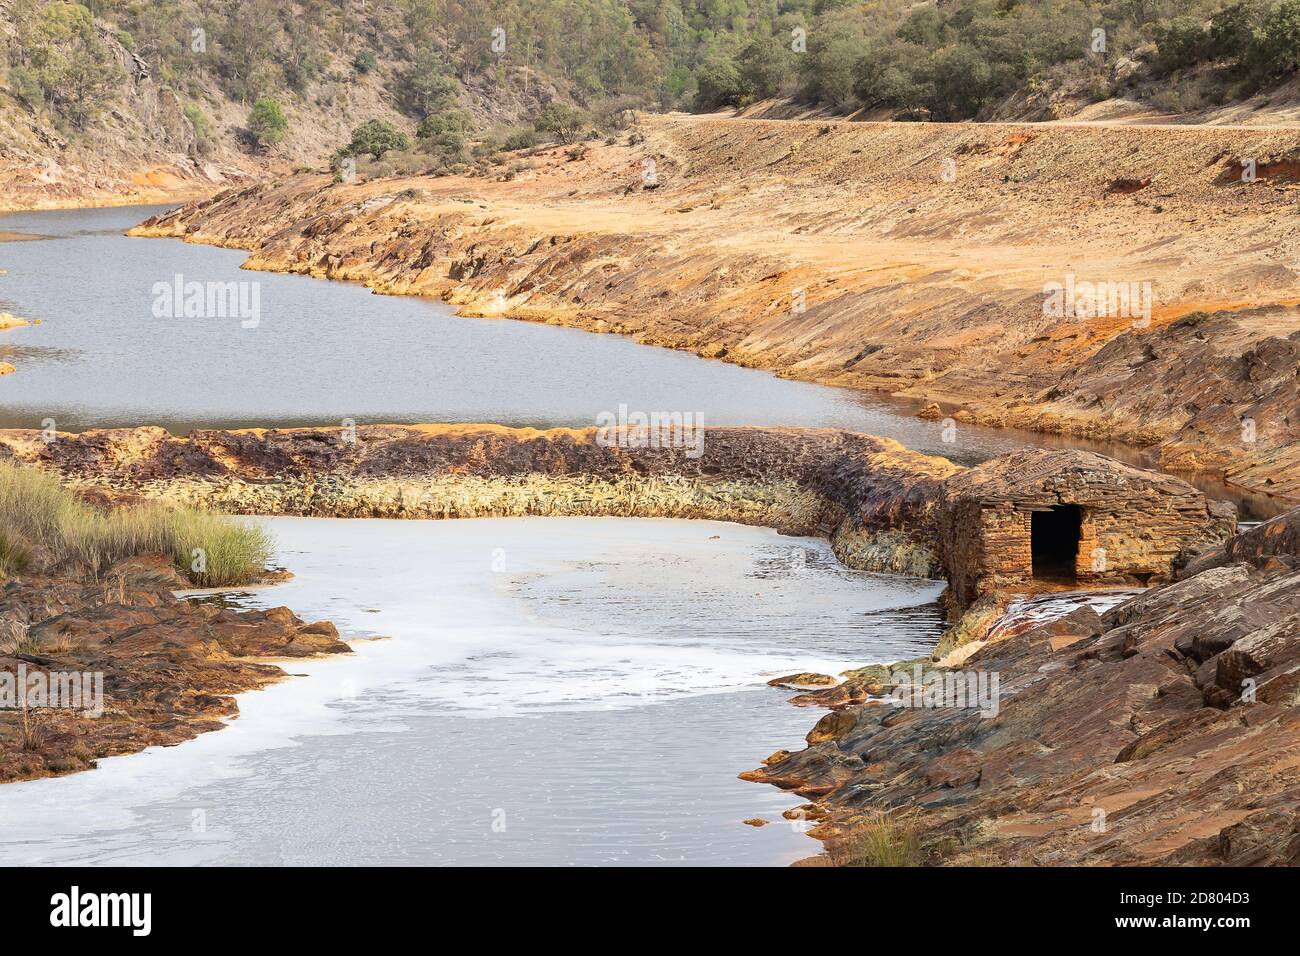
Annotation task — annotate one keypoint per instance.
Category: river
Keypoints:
(579, 691)
(325, 352)
(546, 691)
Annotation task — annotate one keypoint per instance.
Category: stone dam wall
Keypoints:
(882, 506)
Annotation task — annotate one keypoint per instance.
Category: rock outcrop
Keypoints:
(1167, 732)
(167, 668)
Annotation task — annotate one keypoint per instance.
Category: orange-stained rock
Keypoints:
(1173, 718)
(170, 667)
(869, 272)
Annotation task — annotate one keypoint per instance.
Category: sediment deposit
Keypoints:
(856, 254)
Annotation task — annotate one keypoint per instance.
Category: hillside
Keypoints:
(110, 102)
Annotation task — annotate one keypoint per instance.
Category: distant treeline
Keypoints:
(953, 58)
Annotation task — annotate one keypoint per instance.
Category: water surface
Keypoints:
(325, 351)
(551, 691)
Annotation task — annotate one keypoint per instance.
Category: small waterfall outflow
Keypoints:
(1028, 612)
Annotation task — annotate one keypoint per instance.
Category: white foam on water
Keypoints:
(491, 618)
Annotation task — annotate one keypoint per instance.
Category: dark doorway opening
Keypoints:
(1054, 541)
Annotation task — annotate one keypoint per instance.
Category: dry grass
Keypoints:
(14, 558)
(879, 839)
(887, 552)
(780, 505)
(32, 732)
(39, 515)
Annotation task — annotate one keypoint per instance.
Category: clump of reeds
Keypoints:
(878, 839)
(38, 514)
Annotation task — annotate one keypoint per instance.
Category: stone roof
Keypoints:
(1045, 477)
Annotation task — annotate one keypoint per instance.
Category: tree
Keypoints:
(441, 124)
(719, 82)
(376, 137)
(962, 82)
(1181, 43)
(565, 123)
(764, 65)
(881, 77)
(69, 66)
(1232, 30)
(267, 122)
(1276, 47)
(426, 88)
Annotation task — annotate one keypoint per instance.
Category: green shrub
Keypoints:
(962, 80)
(1275, 48)
(1181, 43)
(764, 65)
(203, 139)
(440, 124)
(267, 122)
(566, 123)
(1232, 30)
(26, 85)
(562, 121)
(519, 139)
(374, 138)
(364, 62)
(718, 83)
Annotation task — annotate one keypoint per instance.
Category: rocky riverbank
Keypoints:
(913, 258)
(1138, 714)
(1163, 732)
(151, 669)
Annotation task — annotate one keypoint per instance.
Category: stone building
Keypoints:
(1056, 518)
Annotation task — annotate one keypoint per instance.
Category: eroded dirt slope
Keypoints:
(840, 253)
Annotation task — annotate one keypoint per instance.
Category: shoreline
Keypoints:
(115, 200)
(939, 768)
(390, 665)
(168, 670)
(1126, 446)
(715, 266)
(1131, 753)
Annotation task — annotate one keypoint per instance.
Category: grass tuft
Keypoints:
(14, 558)
(880, 839)
(38, 514)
